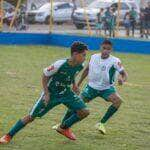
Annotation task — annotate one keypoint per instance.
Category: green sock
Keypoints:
(70, 121)
(111, 110)
(16, 128)
(67, 114)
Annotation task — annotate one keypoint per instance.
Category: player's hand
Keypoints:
(76, 89)
(120, 81)
(46, 98)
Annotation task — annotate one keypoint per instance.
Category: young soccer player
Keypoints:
(56, 81)
(101, 72)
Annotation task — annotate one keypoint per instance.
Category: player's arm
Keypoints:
(75, 86)
(123, 77)
(123, 74)
(47, 74)
(45, 80)
(84, 75)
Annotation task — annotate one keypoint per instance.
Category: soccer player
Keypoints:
(101, 72)
(56, 81)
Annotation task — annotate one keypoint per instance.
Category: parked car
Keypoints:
(61, 13)
(93, 9)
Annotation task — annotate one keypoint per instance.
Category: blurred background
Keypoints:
(104, 18)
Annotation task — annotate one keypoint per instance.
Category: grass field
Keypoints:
(20, 85)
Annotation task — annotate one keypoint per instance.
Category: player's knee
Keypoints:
(27, 119)
(117, 102)
(86, 113)
(83, 113)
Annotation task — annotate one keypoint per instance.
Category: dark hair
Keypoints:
(107, 42)
(78, 47)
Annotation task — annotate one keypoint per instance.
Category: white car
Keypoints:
(93, 9)
(61, 13)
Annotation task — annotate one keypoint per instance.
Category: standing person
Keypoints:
(56, 81)
(112, 23)
(22, 18)
(101, 72)
(147, 20)
(142, 22)
(107, 18)
(9, 16)
(99, 24)
(127, 23)
(74, 8)
(133, 18)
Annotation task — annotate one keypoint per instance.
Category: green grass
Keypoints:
(20, 85)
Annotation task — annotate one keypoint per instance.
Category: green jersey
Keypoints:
(62, 76)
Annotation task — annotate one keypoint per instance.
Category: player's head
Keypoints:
(78, 51)
(106, 48)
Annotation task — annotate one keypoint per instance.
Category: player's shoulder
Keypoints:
(114, 58)
(97, 55)
(59, 62)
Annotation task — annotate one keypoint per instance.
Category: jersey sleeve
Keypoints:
(52, 69)
(118, 66)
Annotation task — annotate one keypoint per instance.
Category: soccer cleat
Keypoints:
(5, 139)
(66, 132)
(101, 128)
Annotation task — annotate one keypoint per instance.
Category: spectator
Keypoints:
(147, 20)
(74, 8)
(107, 17)
(127, 23)
(112, 23)
(133, 18)
(99, 24)
(9, 16)
(21, 21)
(142, 22)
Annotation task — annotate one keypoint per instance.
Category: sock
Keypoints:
(111, 110)
(67, 114)
(16, 128)
(70, 121)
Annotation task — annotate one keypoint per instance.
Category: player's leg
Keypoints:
(87, 95)
(109, 95)
(67, 114)
(20, 124)
(80, 111)
(116, 102)
(38, 110)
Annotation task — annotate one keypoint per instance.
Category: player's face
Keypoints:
(106, 49)
(80, 57)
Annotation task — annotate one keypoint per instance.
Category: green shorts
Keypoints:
(89, 93)
(71, 100)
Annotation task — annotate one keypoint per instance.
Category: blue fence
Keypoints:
(120, 45)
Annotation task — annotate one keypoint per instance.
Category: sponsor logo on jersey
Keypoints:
(63, 73)
(103, 68)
